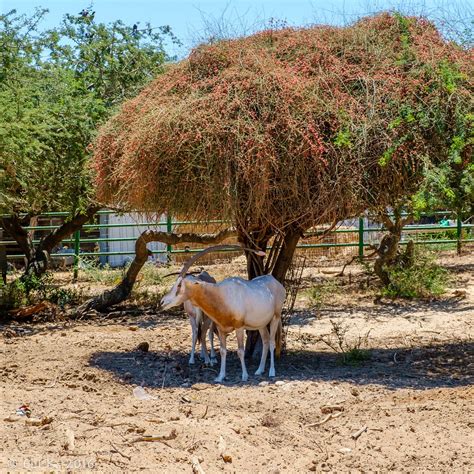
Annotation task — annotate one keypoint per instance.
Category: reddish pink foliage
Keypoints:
(288, 126)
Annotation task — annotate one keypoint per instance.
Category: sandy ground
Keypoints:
(413, 397)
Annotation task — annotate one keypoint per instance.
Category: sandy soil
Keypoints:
(414, 395)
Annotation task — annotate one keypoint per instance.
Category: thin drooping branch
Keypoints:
(122, 291)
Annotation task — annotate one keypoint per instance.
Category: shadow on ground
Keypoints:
(443, 365)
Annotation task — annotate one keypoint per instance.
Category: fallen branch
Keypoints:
(355, 435)
(28, 310)
(356, 257)
(151, 438)
(120, 452)
(197, 469)
(331, 416)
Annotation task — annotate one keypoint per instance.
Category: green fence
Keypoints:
(361, 230)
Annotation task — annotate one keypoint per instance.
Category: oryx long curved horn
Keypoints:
(189, 262)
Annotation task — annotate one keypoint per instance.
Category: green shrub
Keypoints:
(424, 279)
(12, 295)
(94, 272)
(352, 351)
(32, 289)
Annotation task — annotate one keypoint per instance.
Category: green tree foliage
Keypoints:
(56, 87)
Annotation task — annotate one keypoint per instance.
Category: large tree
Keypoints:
(291, 128)
(56, 87)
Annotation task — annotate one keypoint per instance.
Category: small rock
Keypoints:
(201, 386)
(345, 450)
(279, 383)
(143, 346)
(354, 392)
(13, 418)
(263, 384)
(133, 328)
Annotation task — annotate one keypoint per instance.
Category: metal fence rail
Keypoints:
(75, 240)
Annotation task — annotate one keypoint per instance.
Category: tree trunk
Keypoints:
(387, 256)
(37, 259)
(14, 226)
(284, 257)
(123, 290)
(388, 253)
(40, 262)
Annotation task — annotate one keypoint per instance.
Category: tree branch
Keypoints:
(68, 228)
(122, 291)
(13, 225)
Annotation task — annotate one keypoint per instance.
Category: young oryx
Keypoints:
(234, 304)
(200, 324)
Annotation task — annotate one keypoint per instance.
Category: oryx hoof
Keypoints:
(219, 379)
(271, 373)
(259, 371)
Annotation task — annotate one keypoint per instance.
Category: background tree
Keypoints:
(290, 128)
(56, 87)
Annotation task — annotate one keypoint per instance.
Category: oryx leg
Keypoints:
(211, 341)
(194, 329)
(223, 351)
(273, 330)
(205, 323)
(241, 352)
(265, 343)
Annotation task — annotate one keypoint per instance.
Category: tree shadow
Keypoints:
(408, 309)
(430, 366)
(127, 316)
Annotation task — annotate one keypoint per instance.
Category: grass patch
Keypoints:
(322, 293)
(352, 352)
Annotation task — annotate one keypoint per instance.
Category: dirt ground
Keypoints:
(412, 399)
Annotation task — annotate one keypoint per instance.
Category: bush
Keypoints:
(12, 295)
(424, 279)
(32, 289)
(351, 352)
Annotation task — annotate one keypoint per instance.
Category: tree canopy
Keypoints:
(56, 87)
(292, 127)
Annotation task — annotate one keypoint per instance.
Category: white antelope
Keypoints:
(200, 325)
(234, 304)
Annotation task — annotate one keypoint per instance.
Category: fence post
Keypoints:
(459, 234)
(77, 249)
(169, 229)
(361, 238)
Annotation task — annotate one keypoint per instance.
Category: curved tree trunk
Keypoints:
(123, 290)
(37, 259)
(388, 253)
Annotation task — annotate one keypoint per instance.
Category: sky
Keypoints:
(189, 18)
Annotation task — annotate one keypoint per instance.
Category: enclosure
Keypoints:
(409, 391)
